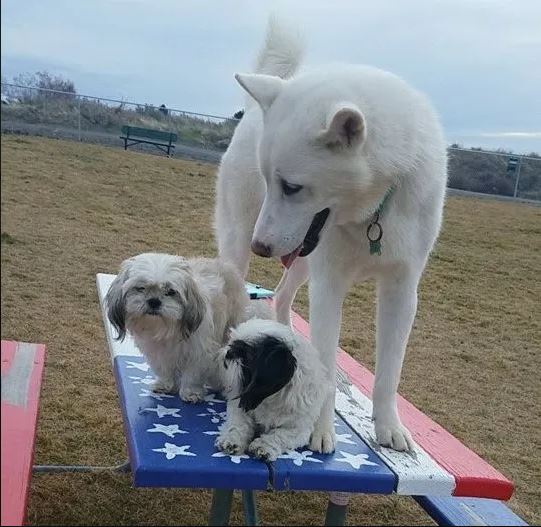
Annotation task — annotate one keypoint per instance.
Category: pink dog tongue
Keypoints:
(288, 259)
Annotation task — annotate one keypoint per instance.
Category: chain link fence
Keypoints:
(500, 173)
(53, 113)
(204, 137)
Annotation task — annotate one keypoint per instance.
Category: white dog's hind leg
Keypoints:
(237, 432)
(292, 279)
(396, 307)
(328, 287)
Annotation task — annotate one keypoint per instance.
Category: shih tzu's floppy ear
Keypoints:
(267, 366)
(238, 349)
(116, 301)
(194, 308)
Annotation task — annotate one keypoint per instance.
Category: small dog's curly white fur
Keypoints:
(275, 385)
(179, 312)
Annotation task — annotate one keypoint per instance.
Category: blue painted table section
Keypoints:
(171, 444)
(468, 511)
(353, 467)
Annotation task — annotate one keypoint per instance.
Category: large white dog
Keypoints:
(346, 164)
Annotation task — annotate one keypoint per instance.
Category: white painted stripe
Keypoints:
(127, 346)
(417, 472)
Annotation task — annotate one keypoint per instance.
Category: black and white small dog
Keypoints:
(275, 385)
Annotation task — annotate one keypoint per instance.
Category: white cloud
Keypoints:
(527, 135)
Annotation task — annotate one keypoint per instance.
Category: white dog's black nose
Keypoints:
(154, 303)
(261, 249)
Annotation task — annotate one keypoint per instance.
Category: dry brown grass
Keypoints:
(70, 210)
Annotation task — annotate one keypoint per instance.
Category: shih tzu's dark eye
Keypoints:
(170, 292)
(140, 289)
(289, 188)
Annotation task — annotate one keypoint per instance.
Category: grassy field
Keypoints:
(71, 210)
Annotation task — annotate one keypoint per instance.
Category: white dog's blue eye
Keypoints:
(170, 292)
(140, 289)
(290, 188)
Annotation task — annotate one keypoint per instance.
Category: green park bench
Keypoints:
(134, 135)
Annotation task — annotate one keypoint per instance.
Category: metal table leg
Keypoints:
(250, 507)
(337, 508)
(220, 510)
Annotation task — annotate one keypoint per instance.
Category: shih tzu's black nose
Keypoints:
(154, 303)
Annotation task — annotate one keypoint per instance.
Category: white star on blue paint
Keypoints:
(162, 411)
(143, 380)
(171, 451)
(143, 366)
(168, 430)
(211, 399)
(158, 396)
(215, 417)
(355, 460)
(299, 457)
(234, 458)
(344, 438)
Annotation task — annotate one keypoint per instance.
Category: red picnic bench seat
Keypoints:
(170, 444)
(22, 369)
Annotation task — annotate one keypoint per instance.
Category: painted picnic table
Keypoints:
(22, 368)
(171, 443)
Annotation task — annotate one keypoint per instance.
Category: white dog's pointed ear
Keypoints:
(345, 127)
(263, 88)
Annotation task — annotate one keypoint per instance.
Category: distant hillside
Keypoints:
(481, 171)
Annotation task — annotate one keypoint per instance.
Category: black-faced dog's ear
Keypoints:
(265, 371)
(194, 308)
(238, 349)
(115, 301)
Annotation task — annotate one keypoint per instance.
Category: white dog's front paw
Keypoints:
(231, 443)
(323, 438)
(394, 435)
(192, 395)
(163, 386)
(264, 449)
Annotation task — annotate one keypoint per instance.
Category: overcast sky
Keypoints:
(478, 60)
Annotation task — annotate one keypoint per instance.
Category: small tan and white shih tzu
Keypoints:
(275, 384)
(179, 312)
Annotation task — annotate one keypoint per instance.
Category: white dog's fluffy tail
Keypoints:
(283, 50)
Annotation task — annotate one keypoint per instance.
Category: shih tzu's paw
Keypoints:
(231, 443)
(191, 395)
(162, 386)
(265, 449)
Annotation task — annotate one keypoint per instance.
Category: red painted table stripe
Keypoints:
(8, 352)
(474, 477)
(18, 436)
